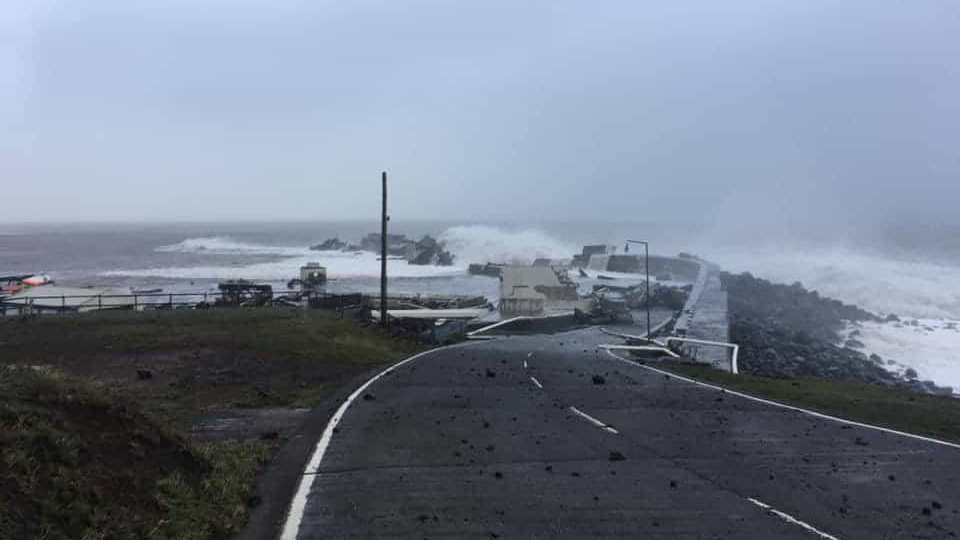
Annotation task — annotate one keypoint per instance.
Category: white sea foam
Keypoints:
(911, 289)
(222, 245)
(876, 283)
(338, 264)
(482, 243)
(932, 348)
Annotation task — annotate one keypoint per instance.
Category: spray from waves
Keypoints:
(338, 264)
(222, 245)
(483, 243)
(873, 282)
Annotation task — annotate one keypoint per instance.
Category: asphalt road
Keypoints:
(549, 437)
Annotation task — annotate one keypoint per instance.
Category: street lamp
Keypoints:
(646, 266)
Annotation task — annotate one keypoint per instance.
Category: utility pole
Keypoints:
(383, 255)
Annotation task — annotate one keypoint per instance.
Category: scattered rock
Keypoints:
(616, 456)
(598, 379)
(853, 344)
(144, 374)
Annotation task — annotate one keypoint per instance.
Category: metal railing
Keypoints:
(144, 301)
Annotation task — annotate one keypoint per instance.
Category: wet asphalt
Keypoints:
(550, 437)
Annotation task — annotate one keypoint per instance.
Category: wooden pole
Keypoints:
(383, 255)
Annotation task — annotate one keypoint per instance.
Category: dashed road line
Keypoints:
(790, 519)
(593, 420)
(536, 382)
(524, 364)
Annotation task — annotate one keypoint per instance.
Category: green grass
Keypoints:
(206, 359)
(904, 410)
(90, 448)
(277, 332)
(81, 462)
(217, 504)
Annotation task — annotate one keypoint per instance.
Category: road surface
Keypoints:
(550, 437)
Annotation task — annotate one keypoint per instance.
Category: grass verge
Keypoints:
(903, 410)
(177, 363)
(91, 407)
(82, 462)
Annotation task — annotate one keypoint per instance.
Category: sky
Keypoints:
(755, 112)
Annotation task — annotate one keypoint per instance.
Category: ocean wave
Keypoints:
(338, 264)
(873, 282)
(484, 243)
(224, 245)
(931, 348)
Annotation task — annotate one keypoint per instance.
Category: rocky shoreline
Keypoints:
(788, 331)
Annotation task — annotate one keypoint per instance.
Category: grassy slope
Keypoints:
(90, 449)
(206, 358)
(935, 416)
(80, 462)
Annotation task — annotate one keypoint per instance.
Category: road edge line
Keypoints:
(291, 523)
(785, 406)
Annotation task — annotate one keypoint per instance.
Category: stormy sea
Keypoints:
(910, 271)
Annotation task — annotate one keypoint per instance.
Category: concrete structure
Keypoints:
(536, 290)
(583, 258)
(705, 317)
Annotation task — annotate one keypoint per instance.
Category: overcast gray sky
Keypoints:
(749, 110)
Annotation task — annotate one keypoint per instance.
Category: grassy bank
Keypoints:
(178, 363)
(92, 407)
(923, 414)
(82, 462)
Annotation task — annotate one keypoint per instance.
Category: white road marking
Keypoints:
(593, 420)
(790, 519)
(291, 526)
(536, 382)
(529, 354)
(524, 364)
(785, 406)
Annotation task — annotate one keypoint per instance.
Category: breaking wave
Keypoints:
(469, 244)
(338, 264)
(873, 282)
(222, 245)
(483, 243)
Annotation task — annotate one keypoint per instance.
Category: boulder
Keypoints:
(331, 244)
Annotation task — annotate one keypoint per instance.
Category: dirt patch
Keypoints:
(266, 424)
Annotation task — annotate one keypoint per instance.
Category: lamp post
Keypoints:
(646, 267)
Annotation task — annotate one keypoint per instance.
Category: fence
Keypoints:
(142, 301)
